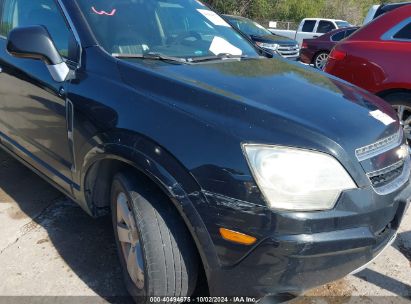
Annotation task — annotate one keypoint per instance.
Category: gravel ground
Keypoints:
(50, 249)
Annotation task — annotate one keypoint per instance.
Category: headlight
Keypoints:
(295, 179)
(269, 46)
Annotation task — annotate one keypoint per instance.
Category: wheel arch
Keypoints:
(319, 52)
(391, 91)
(102, 162)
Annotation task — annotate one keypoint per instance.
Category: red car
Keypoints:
(316, 51)
(378, 59)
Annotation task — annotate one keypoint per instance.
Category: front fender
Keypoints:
(169, 175)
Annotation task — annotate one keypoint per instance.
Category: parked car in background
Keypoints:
(316, 51)
(377, 58)
(262, 37)
(378, 10)
(311, 28)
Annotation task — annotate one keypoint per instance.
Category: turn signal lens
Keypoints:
(237, 237)
(338, 55)
(304, 45)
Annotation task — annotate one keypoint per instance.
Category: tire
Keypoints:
(164, 261)
(401, 102)
(320, 60)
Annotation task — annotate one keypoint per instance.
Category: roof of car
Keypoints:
(336, 31)
(384, 8)
(379, 26)
(343, 29)
(327, 36)
(396, 4)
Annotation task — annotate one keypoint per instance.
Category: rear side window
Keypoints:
(348, 33)
(404, 33)
(18, 13)
(338, 37)
(325, 27)
(309, 26)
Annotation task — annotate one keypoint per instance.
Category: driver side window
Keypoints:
(20, 13)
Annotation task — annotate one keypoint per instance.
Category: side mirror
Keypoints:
(34, 42)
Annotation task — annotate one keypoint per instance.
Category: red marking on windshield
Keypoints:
(101, 13)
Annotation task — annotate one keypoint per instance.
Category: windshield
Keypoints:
(248, 27)
(342, 24)
(177, 28)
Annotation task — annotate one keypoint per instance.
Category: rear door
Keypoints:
(32, 105)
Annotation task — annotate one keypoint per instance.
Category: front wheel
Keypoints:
(401, 102)
(156, 251)
(320, 60)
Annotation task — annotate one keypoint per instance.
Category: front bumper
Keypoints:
(289, 264)
(290, 56)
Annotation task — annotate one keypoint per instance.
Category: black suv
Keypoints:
(255, 175)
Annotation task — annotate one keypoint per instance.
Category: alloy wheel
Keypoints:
(321, 61)
(130, 241)
(404, 114)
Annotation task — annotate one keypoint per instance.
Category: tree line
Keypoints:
(353, 11)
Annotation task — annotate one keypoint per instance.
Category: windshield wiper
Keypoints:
(158, 56)
(221, 56)
(151, 56)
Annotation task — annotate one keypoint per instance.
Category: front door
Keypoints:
(32, 105)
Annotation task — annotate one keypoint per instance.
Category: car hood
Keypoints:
(274, 39)
(267, 101)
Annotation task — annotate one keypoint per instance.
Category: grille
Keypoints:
(289, 51)
(386, 176)
(380, 146)
(396, 172)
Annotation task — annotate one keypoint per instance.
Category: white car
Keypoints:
(311, 28)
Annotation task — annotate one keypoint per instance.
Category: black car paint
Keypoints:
(183, 126)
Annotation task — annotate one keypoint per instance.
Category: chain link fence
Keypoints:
(280, 25)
